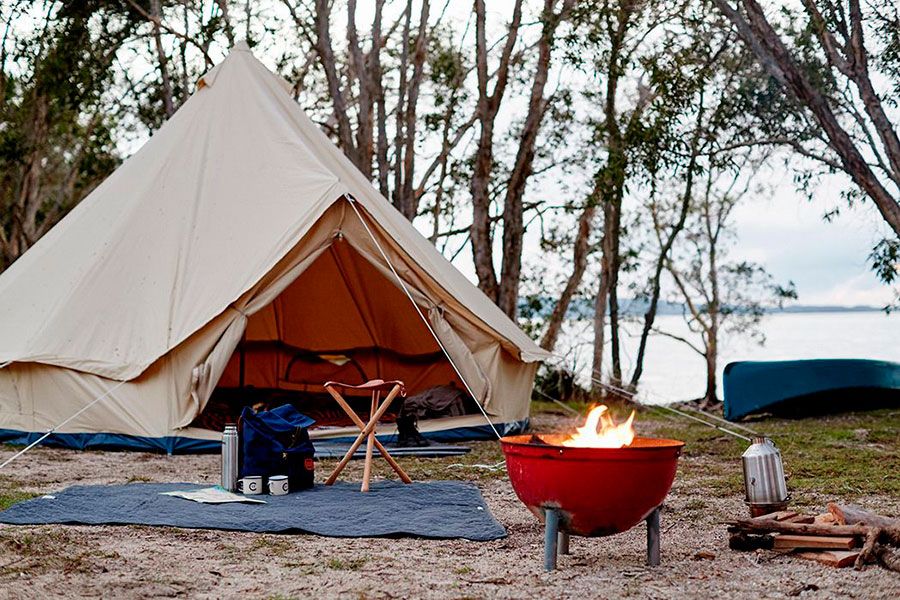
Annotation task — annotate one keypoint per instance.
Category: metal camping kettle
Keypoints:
(764, 474)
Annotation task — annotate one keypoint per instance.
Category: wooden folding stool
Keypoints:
(367, 430)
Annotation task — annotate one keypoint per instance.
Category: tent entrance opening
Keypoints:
(341, 320)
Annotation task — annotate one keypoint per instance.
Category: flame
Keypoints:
(607, 435)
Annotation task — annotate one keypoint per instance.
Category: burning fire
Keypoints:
(600, 431)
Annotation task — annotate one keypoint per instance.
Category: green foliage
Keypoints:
(14, 496)
(885, 259)
(57, 142)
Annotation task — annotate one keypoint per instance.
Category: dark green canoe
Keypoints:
(806, 387)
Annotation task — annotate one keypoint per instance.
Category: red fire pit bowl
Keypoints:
(598, 491)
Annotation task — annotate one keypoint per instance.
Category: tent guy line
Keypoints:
(390, 265)
(633, 397)
(58, 425)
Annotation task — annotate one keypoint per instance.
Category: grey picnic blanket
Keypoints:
(442, 509)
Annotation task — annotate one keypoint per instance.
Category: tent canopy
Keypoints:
(236, 215)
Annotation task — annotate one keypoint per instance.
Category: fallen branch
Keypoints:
(878, 533)
(866, 555)
(888, 557)
(771, 525)
(849, 514)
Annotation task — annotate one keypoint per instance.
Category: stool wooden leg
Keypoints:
(394, 465)
(349, 455)
(370, 443)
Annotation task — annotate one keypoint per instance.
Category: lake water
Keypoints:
(672, 371)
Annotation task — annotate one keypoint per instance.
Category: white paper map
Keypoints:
(213, 495)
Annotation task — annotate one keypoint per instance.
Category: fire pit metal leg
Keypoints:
(551, 537)
(653, 538)
(563, 542)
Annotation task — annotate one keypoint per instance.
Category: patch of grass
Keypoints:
(8, 497)
(11, 492)
(45, 550)
(696, 505)
(271, 545)
(463, 570)
(847, 456)
(353, 564)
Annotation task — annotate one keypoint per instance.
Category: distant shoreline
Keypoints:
(812, 308)
(583, 309)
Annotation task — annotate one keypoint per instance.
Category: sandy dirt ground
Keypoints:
(144, 562)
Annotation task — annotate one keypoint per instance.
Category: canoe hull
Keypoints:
(808, 386)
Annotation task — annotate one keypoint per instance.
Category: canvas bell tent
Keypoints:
(240, 256)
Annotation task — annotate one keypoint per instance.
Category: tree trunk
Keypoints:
(666, 247)
(381, 145)
(611, 182)
(408, 200)
(607, 300)
(163, 63)
(711, 395)
(481, 236)
(614, 352)
(600, 306)
(580, 251)
(486, 110)
(329, 66)
(400, 109)
(365, 146)
(513, 225)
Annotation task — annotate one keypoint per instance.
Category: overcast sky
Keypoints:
(826, 260)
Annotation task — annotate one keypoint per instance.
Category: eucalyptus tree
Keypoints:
(621, 45)
(504, 290)
(719, 294)
(838, 65)
(180, 39)
(57, 139)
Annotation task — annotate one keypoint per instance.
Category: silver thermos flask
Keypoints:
(764, 473)
(230, 457)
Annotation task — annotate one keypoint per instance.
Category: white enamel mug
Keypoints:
(250, 485)
(278, 485)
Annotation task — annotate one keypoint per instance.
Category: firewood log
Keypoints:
(866, 555)
(807, 528)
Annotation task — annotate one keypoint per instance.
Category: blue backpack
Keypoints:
(276, 442)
